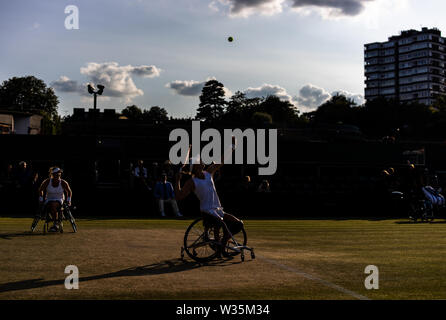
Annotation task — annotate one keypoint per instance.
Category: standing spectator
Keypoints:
(153, 174)
(164, 193)
(23, 183)
(140, 174)
(168, 169)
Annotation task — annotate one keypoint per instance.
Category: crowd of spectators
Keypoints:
(152, 193)
(19, 184)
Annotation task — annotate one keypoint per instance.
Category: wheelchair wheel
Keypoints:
(416, 211)
(35, 223)
(201, 242)
(71, 218)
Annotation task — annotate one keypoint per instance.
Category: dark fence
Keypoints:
(312, 178)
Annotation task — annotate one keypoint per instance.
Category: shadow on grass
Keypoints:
(421, 222)
(10, 236)
(168, 266)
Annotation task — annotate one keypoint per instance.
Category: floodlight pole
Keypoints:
(95, 94)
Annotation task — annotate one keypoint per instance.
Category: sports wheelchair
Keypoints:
(44, 215)
(418, 208)
(202, 241)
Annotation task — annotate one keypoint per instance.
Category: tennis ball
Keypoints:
(230, 39)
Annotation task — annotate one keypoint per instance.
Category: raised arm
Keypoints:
(181, 193)
(228, 153)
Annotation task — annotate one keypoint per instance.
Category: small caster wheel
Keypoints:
(242, 256)
(253, 256)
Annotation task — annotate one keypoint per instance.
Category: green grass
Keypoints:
(410, 258)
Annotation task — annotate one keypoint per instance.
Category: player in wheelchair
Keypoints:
(53, 203)
(218, 227)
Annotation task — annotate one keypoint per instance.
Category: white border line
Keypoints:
(311, 277)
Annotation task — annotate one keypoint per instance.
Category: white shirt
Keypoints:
(206, 193)
(54, 193)
(137, 172)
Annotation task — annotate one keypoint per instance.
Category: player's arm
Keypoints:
(67, 189)
(42, 189)
(181, 193)
(228, 153)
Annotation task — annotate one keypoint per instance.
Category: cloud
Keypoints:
(246, 8)
(117, 79)
(311, 97)
(335, 7)
(64, 84)
(356, 97)
(268, 90)
(186, 87)
(192, 88)
(146, 71)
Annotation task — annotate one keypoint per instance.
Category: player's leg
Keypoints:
(234, 225)
(54, 207)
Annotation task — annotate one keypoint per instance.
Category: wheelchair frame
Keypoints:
(44, 215)
(214, 244)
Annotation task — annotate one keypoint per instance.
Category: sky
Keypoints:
(161, 52)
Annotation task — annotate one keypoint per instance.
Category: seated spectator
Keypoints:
(245, 185)
(164, 193)
(264, 186)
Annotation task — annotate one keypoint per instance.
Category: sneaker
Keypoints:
(163, 214)
(179, 215)
(54, 228)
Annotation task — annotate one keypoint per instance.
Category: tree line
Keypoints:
(376, 118)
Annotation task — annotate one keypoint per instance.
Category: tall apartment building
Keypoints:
(409, 67)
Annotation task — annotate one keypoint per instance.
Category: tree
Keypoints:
(29, 94)
(336, 110)
(133, 113)
(261, 118)
(212, 101)
(282, 112)
(156, 114)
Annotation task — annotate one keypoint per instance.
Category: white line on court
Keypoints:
(311, 277)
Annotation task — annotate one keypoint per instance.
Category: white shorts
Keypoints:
(56, 200)
(216, 212)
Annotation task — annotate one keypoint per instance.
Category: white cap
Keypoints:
(56, 170)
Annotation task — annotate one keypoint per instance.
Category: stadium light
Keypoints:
(95, 93)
